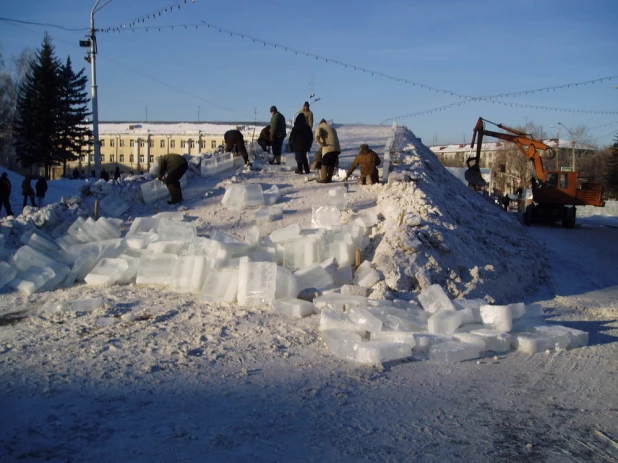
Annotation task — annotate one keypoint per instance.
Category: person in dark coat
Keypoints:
(41, 189)
(5, 194)
(308, 115)
(506, 201)
(277, 134)
(234, 139)
(301, 139)
(264, 139)
(368, 161)
(105, 175)
(75, 174)
(171, 169)
(27, 191)
(117, 173)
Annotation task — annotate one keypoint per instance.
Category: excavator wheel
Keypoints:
(568, 220)
(529, 215)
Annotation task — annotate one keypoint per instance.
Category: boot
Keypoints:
(330, 170)
(305, 165)
(324, 175)
(299, 168)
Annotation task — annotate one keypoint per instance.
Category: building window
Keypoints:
(162, 144)
(102, 142)
(111, 142)
(151, 143)
(131, 143)
(192, 143)
(91, 158)
(102, 158)
(151, 158)
(141, 158)
(563, 181)
(202, 144)
(213, 144)
(122, 158)
(121, 143)
(111, 158)
(173, 144)
(183, 144)
(141, 143)
(131, 158)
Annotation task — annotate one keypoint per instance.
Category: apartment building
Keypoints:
(134, 147)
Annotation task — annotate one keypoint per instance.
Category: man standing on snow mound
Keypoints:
(327, 138)
(368, 161)
(234, 139)
(277, 133)
(175, 166)
(301, 138)
(5, 194)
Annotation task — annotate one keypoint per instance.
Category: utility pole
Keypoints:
(95, 107)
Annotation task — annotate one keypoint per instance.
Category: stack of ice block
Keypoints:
(113, 206)
(221, 163)
(239, 196)
(156, 190)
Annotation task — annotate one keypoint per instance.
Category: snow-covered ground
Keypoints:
(186, 380)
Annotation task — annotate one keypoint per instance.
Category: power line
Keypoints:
(32, 23)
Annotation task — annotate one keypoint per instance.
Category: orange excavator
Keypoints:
(555, 194)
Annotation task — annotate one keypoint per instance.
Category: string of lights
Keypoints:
(374, 73)
(150, 16)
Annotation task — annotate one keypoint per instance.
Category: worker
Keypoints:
(505, 202)
(264, 139)
(368, 161)
(234, 139)
(171, 169)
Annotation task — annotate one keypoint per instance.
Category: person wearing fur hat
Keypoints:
(301, 139)
(368, 161)
(327, 138)
(308, 114)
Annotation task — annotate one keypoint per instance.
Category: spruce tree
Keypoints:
(611, 175)
(73, 133)
(35, 124)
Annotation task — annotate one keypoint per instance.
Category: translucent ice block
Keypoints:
(325, 216)
(113, 206)
(376, 352)
(293, 307)
(256, 282)
(106, 272)
(27, 257)
(433, 298)
(31, 280)
(338, 302)
(342, 343)
(454, 352)
(7, 273)
(496, 341)
(284, 234)
(220, 285)
(189, 274)
(499, 316)
(531, 343)
(332, 320)
(313, 276)
(156, 269)
(401, 337)
(286, 284)
(444, 322)
(365, 319)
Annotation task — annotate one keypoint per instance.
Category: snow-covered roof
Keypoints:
(171, 127)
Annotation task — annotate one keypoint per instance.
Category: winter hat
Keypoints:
(273, 109)
(306, 103)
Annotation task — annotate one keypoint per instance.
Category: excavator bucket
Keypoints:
(473, 176)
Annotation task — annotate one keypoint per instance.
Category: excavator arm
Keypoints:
(527, 145)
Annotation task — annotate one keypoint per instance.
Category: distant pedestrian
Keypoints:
(277, 134)
(75, 174)
(117, 173)
(235, 141)
(327, 138)
(264, 139)
(368, 161)
(41, 189)
(5, 194)
(27, 191)
(505, 202)
(308, 115)
(171, 169)
(301, 139)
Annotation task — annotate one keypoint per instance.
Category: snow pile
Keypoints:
(436, 230)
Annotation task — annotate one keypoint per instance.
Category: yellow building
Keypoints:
(134, 147)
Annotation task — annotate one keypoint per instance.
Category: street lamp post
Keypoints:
(572, 146)
(95, 108)
(557, 146)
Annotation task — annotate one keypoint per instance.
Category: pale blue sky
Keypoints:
(473, 47)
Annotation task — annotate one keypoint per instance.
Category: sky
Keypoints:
(425, 55)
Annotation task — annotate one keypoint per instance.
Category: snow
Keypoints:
(156, 375)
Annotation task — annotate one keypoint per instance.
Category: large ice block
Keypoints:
(220, 285)
(113, 206)
(144, 225)
(167, 247)
(141, 240)
(365, 319)
(433, 298)
(189, 274)
(84, 263)
(499, 316)
(334, 320)
(518, 310)
(106, 272)
(563, 336)
(473, 339)
(256, 282)
(154, 190)
(454, 352)
(376, 352)
(60, 273)
(49, 248)
(531, 343)
(400, 337)
(444, 322)
(272, 195)
(173, 230)
(366, 275)
(283, 234)
(495, 341)
(325, 216)
(286, 284)
(156, 269)
(424, 341)
(337, 197)
(32, 279)
(7, 273)
(27, 256)
(292, 307)
(129, 275)
(313, 276)
(300, 252)
(339, 302)
(342, 343)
